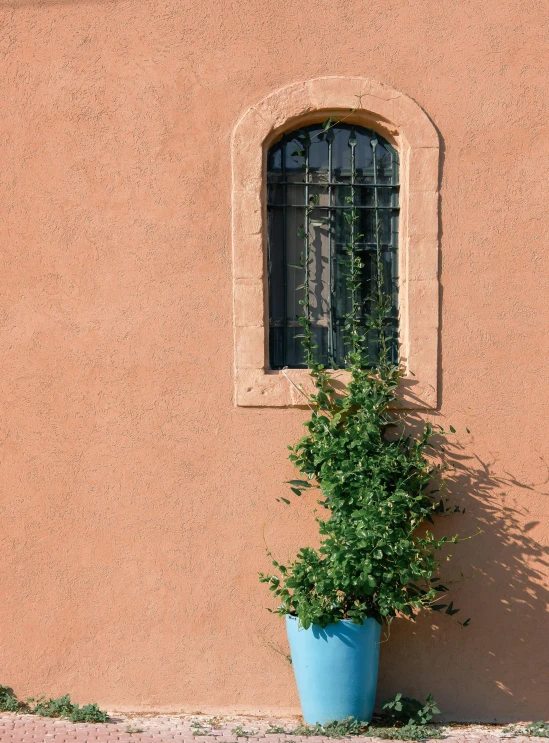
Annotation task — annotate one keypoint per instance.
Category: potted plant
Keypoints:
(377, 557)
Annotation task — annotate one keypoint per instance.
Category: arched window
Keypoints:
(264, 337)
(316, 176)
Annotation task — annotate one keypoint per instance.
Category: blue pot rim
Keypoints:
(334, 624)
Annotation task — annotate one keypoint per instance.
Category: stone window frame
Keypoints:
(407, 127)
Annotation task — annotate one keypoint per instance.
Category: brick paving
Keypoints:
(195, 729)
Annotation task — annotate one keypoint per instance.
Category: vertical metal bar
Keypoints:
(395, 164)
(352, 145)
(377, 227)
(331, 303)
(284, 254)
(306, 281)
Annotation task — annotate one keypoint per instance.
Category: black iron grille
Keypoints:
(324, 169)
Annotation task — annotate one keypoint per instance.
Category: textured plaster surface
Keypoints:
(136, 499)
(401, 120)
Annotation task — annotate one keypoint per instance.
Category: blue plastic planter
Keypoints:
(335, 669)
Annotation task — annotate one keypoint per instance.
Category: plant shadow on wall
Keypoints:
(506, 650)
(507, 568)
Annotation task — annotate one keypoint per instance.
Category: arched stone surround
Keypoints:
(400, 120)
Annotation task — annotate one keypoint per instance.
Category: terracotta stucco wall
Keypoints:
(136, 500)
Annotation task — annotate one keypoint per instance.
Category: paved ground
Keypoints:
(195, 729)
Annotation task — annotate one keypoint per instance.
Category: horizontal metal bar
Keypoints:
(342, 249)
(366, 244)
(333, 183)
(339, 321)
(343, 206)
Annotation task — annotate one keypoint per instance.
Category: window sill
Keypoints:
(289, 388)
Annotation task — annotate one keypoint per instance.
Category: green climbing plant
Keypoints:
(380, 481)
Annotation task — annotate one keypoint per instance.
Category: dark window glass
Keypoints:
(310, 166)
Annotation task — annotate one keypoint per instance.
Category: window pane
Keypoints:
(314, 179)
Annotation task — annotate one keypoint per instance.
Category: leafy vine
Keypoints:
(379, 482)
